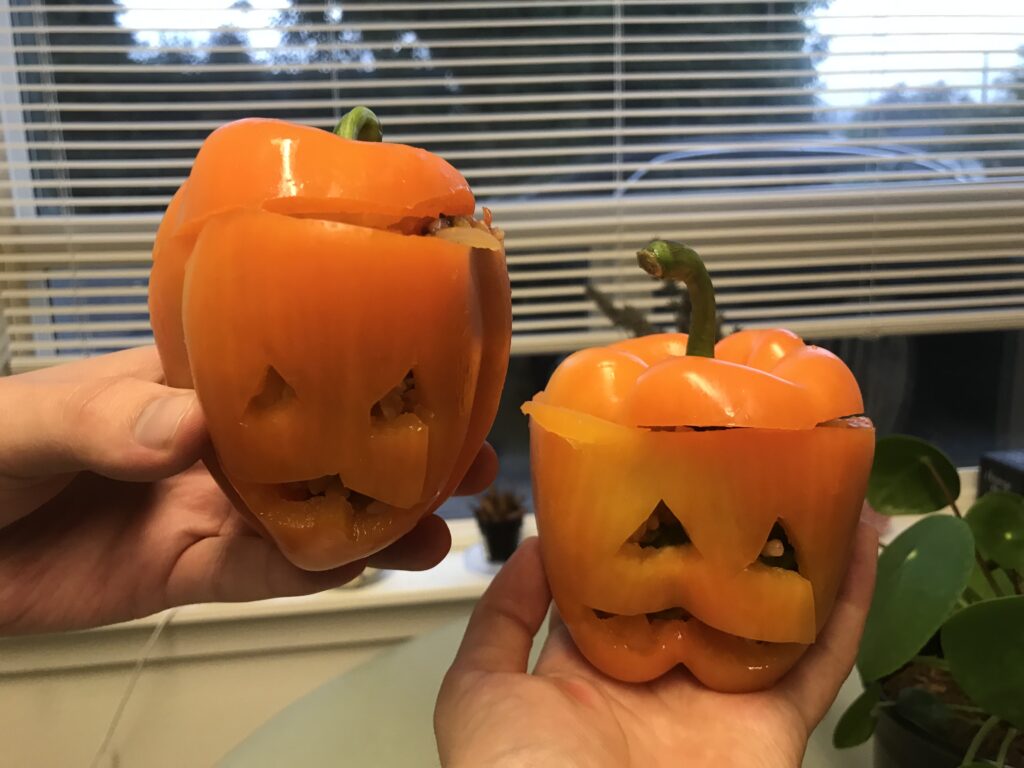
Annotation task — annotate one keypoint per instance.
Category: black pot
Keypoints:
(900, 743)
(502, 538)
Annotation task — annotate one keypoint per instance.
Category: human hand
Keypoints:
(490, 712)
(105, 514)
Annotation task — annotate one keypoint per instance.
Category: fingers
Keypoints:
(242, 568)
(501, 630)
(422, 548)
(815, 681)
(119, 426)
(137, 363)
(481, 472)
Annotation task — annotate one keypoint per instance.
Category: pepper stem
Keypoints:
(667, 260)
(360, 125)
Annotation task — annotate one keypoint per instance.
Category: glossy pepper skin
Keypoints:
(349, 367)
(622, 431)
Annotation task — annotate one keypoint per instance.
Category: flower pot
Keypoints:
(502, 538)
(902, 744)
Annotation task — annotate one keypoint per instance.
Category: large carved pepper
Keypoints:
(344, 321)
(696, 502)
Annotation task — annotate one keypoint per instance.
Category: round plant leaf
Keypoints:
(903, 481)
(857, 723)
(920, 576)
(984, 645)
(997, 521)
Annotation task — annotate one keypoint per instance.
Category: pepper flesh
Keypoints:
(291, 288)
(621, 430)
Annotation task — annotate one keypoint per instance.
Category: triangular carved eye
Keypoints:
(274, 392)
(778, 552)
(660, 529)
(401, 398)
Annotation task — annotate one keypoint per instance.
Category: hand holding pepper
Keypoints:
(105, 514)
(491, 712)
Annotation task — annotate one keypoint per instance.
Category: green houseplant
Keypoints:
(942, 658)
(499, 514)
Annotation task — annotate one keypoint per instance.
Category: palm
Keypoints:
(597, 721)
(566, 713)
(139, 546)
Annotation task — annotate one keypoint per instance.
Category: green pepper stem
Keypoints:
(360, 125)
(669, 260)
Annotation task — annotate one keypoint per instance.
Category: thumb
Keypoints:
(120, 427)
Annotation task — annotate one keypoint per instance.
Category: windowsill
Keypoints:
(388, 607)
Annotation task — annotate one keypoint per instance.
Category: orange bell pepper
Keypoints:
(346, 336)
(696, 502)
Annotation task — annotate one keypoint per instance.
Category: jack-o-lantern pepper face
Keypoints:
(345, 323)
(696, 503)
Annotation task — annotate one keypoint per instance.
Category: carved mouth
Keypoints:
(666, 620)
(669, 614)
(326, 489)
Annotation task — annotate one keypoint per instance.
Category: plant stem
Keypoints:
(956, 511)
(926, 460)
(979, 739)
(1004, 748)
(360, 125)
(628, 318)
(668, 260)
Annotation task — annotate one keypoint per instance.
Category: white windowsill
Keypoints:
(392, 608)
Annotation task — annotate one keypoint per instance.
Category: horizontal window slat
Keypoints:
(867, 269)
(66, 310)
(785, 313)
(544, 187)
(383, 84)
(579, 214)
(815, 140)
(450, 5)
(358, 7)
(176, 23)
(260, 106)
(497, 117)
(326, 66)
(556, 214)
(726, 300)
(577, 238)
(863, 274)
(818, 154)
(921, 321)
(738, 226)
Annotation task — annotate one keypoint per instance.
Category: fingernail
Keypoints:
(159, 421)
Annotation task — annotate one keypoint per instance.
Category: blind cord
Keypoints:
(136, 673)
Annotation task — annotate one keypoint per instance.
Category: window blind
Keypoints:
(846, 168)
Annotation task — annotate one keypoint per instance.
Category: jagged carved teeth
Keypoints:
(324, 487)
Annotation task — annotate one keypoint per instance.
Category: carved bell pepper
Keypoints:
(696, 503)
(345, 322)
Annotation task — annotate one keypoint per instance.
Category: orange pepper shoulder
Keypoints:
(768, 379)
(299, 170)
